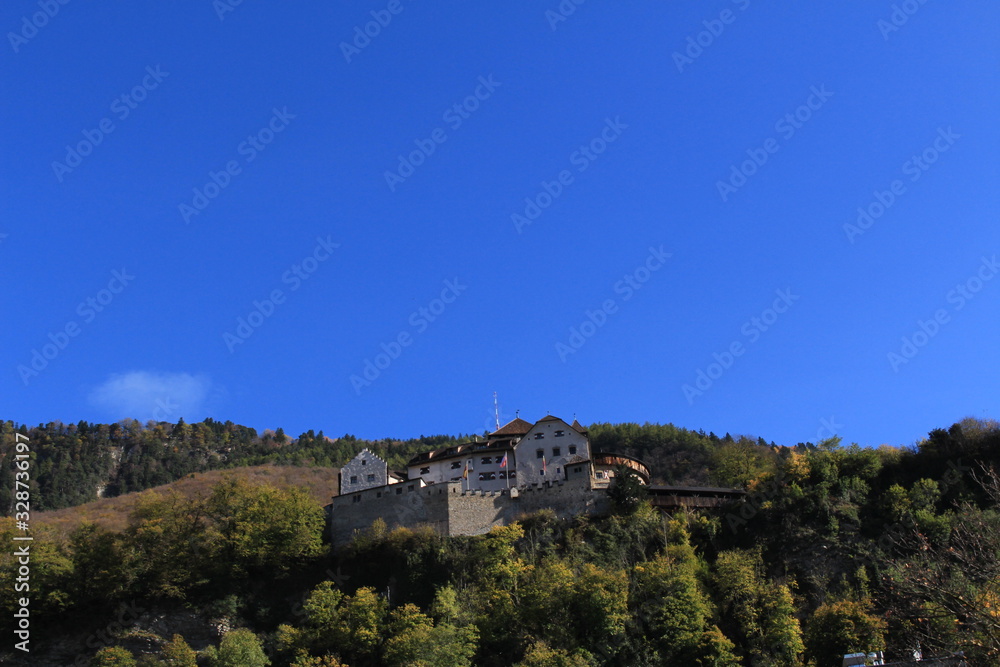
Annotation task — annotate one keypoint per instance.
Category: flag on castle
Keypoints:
(545, 468)
(503, 461)
(465, 473)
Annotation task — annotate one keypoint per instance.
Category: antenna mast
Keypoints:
(496, 410)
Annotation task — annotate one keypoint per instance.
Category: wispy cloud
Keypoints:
(147, 395)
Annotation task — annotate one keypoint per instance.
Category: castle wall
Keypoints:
(450, 511)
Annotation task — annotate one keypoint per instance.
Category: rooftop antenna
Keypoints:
(496, 410)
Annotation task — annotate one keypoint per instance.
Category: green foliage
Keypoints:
(870, 547)
(257, 528)
(238, 648)
(541, 654)
(842, 627)
(113, 656)
(760, 613)
(626, 491)
(177, 653)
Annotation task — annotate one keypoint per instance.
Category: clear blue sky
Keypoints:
(630, 138)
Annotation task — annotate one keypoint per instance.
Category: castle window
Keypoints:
(371, 478)
(572, 450)
(486, 460)
(399, 492)
(364, 462)
(356, 499)
(425, 471)
(577, 469)
(354, 479)
(503, 474)
(539, 436)
(539, 453)
(456, 465)
(378, 495)
(560, 434)
(482, 477)
(558, 471)
(542, 472)
(409, 488)
(556, 451)
(512, 474)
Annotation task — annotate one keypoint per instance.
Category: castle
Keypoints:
(469, 488)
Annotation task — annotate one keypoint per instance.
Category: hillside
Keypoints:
(80, 463)
(113, 513)
(834, 550)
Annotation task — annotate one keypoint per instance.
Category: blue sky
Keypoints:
(626, 211)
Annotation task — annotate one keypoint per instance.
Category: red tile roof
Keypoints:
(514, 427)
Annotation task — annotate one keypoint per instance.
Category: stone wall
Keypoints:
(450, 511)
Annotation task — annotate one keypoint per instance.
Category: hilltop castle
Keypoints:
(467, 489)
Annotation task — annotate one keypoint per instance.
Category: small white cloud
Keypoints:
(144, 395)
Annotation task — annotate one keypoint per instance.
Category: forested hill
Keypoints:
(78, 463)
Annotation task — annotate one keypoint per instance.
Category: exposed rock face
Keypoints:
(132, 627)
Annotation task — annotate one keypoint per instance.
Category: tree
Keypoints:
(626, 491)
(412, 640)
(953, 581)
(838, 628)
(669, 603)
(113, 656)
(258, 527)
(238, 648)
(760, 613)
(540, 654)
(177, 653)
